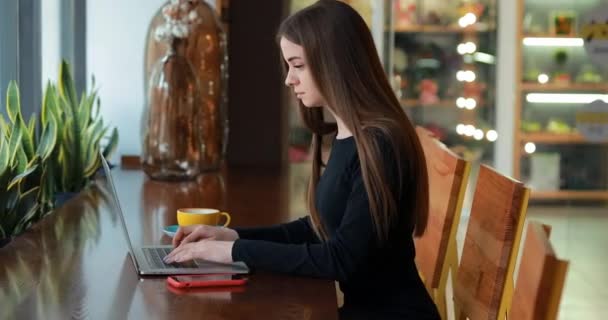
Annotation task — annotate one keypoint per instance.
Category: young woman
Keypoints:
(372, 196)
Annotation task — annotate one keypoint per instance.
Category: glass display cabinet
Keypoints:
(557, 81)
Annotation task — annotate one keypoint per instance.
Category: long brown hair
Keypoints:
(344, 64)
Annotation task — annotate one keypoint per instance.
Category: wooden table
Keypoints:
(74, 263)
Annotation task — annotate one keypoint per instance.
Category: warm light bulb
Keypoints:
(461, 75)
(462, 49)
(462, 22)
(460, 129)
(478, 135)
(470, 76)
(492, 135)
(470, 47)
(469, 130)
(530, 147)
(461, 102)
(466, 48)
(471, 18)
(470, 103)
(543, 78)
(466, 75)
(467, 20)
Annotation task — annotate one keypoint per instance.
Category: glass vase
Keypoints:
(206, 49)
(171, 121)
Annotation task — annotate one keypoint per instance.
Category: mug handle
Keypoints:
(227, 215)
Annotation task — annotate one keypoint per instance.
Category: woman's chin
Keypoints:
(310, 105)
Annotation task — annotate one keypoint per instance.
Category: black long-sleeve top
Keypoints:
(379, 280)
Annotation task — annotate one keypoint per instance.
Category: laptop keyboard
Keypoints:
(155, 259)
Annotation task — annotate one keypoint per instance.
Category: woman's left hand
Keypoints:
(210, 250)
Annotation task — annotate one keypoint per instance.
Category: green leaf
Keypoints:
(73, 143)
(60, 135)
(67, 133)
(46, 188)
(66, 177)
(48, 139)
(33, 162)
(112, 145)
(18, 178)
(4, 153)
(69, 174)
(26, 219)
(56, 107)
(26, 137)
(12, 199)
(66, 84)
(4, 127)
(89, 156)
(92, 165)
(31, 126)
(48, 183)
(86, 109)
(64, 107)
(71, 149)
(93, 136)
(14, 144)
(95, 133)
(49, 103)
(22, 161)
(97, 108)
(29, 193)
(13, 101)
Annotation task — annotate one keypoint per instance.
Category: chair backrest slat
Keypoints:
(448, 175)
(484, 279)
(540, 278)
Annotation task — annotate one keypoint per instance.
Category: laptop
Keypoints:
(148, 260)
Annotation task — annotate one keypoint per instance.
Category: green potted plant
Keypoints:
(76, 159)
(24, 159)
(36, 170)
(561, 74)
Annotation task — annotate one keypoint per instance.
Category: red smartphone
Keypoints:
(214, 290)
(206, 280)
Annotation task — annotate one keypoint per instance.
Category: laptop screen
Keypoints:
(109, 184)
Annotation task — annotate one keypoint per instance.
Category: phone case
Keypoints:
(205, 283)
(195, 290)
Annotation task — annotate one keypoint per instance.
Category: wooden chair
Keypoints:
(540, 279)
(484, 282)
(436, 253)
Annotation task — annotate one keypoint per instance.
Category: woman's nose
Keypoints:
(290, 80)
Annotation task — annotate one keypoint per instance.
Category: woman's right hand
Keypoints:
(198, 232)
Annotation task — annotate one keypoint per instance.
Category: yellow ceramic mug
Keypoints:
(190, 216)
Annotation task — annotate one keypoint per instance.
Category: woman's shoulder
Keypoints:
(383, 142)
(390, 153)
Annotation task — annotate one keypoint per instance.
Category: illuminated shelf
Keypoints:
(449, 103)
(570, 195)
(547, 35)
(568, 97)
(556, 138)
(534, 86)
(552, 41)
(442, 29)
(411, 103)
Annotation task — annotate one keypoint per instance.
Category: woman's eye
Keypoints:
(299, 66)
